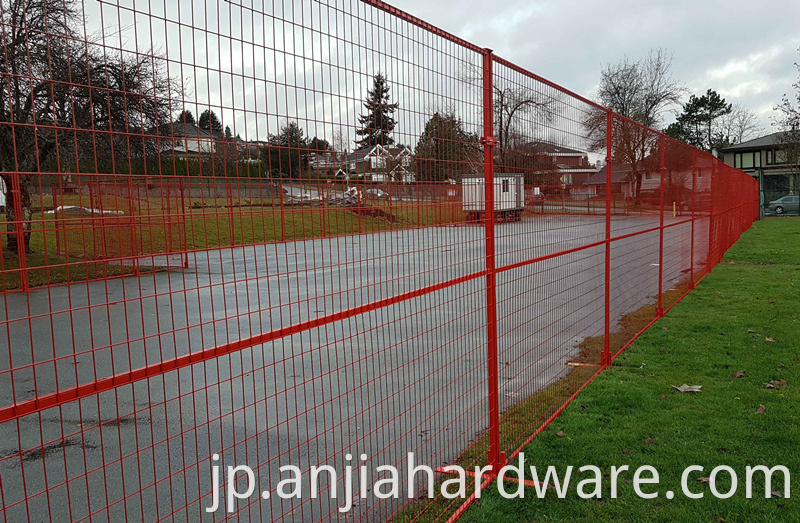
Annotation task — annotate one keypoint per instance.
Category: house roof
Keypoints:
(763, 142)
(180, 130)
(552, 149)
(360, 154)
(620, 173)
(391, 150)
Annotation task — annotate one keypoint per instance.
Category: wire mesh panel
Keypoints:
(310, 234)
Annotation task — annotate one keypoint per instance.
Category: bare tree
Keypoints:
(789, 123)
(66, 104)
(740, 125)
(520, 110)
(642, 91)
(340, 146)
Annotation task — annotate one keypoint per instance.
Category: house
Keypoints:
(402, 156)
(623, 180)
(378, 158)
(325, 161)
(572, 165)
(679, 180)
(367, 159)
(765, 155)
(184, 140)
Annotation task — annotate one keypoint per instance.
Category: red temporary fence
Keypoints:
(245, 286)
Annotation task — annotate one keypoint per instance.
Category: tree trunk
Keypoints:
(637, 202)
(11, 215)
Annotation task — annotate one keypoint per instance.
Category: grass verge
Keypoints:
(742, 317)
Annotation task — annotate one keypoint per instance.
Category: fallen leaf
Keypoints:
(560, 433)
(625, 452)
(722, 449)
(664, 329)
(751, 331)
(775, 384)
(703, 480)
(688, 388)
(781, 366)
(739, 374)
(718, 518)
(776, 494)
(770, 339)
(650, 441)
(761, 409)
(664, 396)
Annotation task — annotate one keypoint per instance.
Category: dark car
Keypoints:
(701, 203)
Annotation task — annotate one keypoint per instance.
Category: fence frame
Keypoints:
(496, 457)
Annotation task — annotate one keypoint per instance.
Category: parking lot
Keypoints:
(415, 368)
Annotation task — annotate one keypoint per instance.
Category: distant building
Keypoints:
(378, 158)
(184, 140)
(325, 161)
(572, 166)
(765, 154)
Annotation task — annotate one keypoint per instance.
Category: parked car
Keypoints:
(790, 204)
(534, 198)
(702, 203)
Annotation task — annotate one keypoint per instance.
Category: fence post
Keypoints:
(709, 260)
(229, 194)
(662, 173)
(605, 358)
(185, 261)
(134, 241)
(283, 210)
(694, 191)
(16, 195)
(495, 458)
(55, 219)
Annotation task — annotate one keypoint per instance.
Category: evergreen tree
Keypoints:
(445, 150)
(695, 124)
(209, 122)
(186, 117)
(378, 122)
(287, 154)
(319, 145)
(228, 133)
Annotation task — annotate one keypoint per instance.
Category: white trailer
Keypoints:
(509, 196)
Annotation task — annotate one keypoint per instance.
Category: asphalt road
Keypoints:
(409, 377)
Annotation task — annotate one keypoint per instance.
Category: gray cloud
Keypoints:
(745, 50)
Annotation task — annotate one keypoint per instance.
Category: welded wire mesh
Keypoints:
(369, 238)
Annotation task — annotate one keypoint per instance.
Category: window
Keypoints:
(747, 160)
(776, 157)
(505, 185)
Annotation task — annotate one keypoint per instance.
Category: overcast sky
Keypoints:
(743, 49)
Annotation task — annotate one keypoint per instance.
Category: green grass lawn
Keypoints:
(70, 248)
(744, 316)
